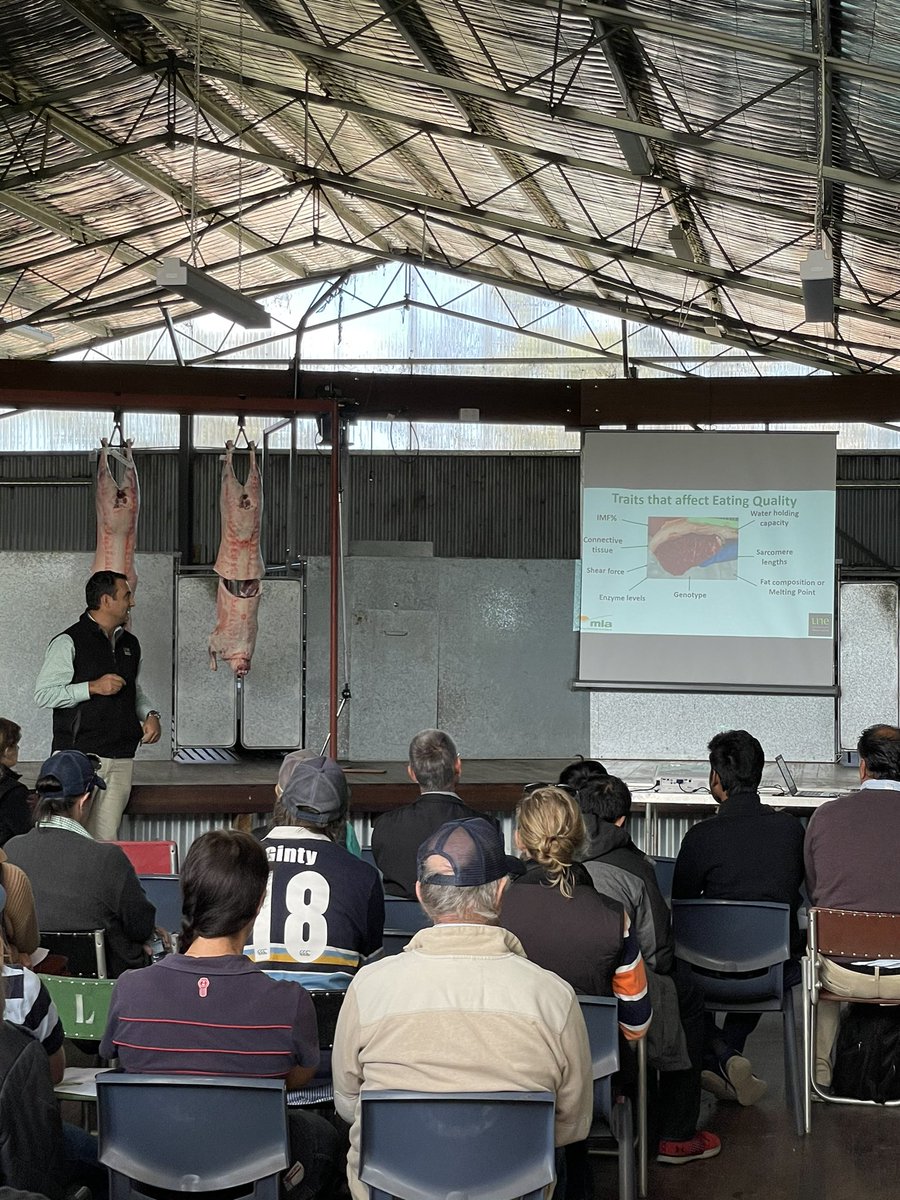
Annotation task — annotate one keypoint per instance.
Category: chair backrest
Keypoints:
(601, 1016)
(164, 893)
(191, 1133)
(151, 858)
(393, 941)
(845, 934)
(404, 914)
(665, 871)
(84, 948)
(483, 1146)
(368, 855)
(82, 1004)
(327, 1003)
(734, 938)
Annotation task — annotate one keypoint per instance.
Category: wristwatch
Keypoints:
(154, 713)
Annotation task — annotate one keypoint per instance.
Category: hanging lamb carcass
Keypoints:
(118, 506)
(239, 565)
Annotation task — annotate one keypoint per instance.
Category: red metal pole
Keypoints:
(336, 550)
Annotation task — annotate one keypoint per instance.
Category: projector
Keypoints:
(678, 777)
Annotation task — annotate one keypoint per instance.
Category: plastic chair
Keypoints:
(84, 948)
(191, 1133)
(151, 858)
(164, 893)
(665, 870)
(480, 1145)
(406, 915)
(393, 941)
(82, 1004)
(613, 1116)
(737, 950)
(840, 933)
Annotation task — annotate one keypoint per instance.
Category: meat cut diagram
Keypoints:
(679, 546)
(239, 565)
(118, 506)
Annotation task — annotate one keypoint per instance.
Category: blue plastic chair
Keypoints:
(665, 871)
(393, 941)
(612, 1117)
(736, 950)
(480, 1145)
(406, 915)
(191, 1133)
(164, 893)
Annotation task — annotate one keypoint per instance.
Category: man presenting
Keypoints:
(90, 680)
(462, 1009)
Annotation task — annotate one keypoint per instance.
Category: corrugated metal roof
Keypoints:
(484, 137)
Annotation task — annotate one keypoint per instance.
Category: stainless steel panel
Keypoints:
(42, 594)
(395, 673)
(271, 710)
(868, 658)
(205, 700)
(649, 725)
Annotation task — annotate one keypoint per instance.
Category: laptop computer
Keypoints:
(791, 784)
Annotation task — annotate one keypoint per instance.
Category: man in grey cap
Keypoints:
(323, 912)
(462, 1009)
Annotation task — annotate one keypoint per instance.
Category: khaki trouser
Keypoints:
(108, 806)
(854, 985)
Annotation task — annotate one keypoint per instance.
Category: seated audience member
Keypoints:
(852, 851)
(19, 919)
(15, 812)
(32, 1156)
(79, 883)
(577, 773)
(288, 765)
(587, 937)
(435, 766)
(747, 851)
(675, 1040)
(323, 912)
(563, 923)
(209, 1011)
(462, 1009)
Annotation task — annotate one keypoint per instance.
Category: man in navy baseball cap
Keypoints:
(76, 773)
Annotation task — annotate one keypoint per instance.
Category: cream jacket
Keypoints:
(462, 1009)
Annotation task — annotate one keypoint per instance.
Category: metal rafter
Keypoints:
(788, 164)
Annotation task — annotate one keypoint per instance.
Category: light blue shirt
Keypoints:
(54, 687)
(887, 785)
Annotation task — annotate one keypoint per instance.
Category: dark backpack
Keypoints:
(867, 1053)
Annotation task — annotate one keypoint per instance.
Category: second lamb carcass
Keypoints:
(117, 516)
(240, 566)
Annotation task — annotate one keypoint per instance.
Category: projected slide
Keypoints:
(685, 579)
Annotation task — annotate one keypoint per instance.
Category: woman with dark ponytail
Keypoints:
(208, 1010)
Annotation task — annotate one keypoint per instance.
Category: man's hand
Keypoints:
(106, 685)
(152, 731)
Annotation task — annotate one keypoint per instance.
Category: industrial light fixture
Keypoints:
(194, 284)
(633, 147)
(679, 243)
(817, 281)
(33, 333)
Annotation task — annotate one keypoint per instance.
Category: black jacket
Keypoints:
(747, 851)
(104, 725)
(398, 834)
(15, 812)
(31, 1143)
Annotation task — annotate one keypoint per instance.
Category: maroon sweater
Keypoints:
(851, 852)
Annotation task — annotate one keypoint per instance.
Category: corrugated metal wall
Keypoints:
(468, 506)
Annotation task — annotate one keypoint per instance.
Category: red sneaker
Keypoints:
(702, 1145)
